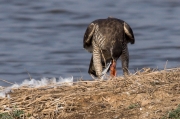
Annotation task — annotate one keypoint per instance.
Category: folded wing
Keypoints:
(88, 36)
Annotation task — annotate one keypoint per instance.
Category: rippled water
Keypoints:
(45, 37)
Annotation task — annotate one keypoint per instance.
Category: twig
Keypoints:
(6, 81)
(177, 68)
(165, 65)
(28, 74)
(81, 78)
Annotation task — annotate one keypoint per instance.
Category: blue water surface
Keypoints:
(45, 38)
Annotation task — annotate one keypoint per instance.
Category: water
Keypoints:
(45, 38)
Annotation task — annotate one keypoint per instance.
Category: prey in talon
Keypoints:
(107, 40)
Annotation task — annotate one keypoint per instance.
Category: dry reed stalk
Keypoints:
(155, 92)
(6, 81)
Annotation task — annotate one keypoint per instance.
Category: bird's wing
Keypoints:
(91, 68)
(87, 42)
(129, 33)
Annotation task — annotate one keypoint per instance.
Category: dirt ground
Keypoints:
(147, 94)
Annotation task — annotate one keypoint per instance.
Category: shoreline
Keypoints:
(146, 94)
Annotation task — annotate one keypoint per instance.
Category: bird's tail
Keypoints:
(129, 33)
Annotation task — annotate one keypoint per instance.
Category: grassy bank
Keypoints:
(147, 94)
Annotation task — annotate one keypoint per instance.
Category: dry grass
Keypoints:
(147, 94)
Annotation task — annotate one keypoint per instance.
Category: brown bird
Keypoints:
(107, 40)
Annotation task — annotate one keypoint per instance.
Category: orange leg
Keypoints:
(113, 68)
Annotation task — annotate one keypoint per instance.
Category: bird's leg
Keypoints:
(113, 68)
(125, 60)
(97, 60)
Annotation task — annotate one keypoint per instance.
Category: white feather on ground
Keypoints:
(33, 83)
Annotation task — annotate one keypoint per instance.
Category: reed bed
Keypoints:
(147, 94)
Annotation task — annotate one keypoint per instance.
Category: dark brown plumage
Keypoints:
(107, 40)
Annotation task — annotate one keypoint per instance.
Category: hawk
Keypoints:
(107, 40)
